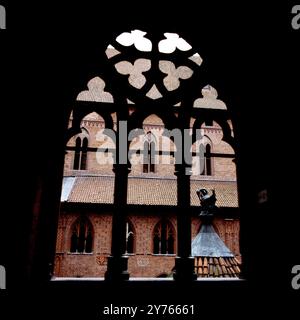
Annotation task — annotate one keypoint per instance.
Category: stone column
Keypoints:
(184, 263)
(117, 263)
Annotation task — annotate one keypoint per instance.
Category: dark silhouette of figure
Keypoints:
(207, 201)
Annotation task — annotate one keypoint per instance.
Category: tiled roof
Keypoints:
(147, 191)
(209, 267)
(92, 190)
(212, 257)
(226, 192)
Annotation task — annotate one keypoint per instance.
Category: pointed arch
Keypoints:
(208, 167)
(164, 237)
(149, 151)
(139, 116)
(202, 149)
(84, 153)
(77, 153)
(81, 149)
(222, 121)
(205, 157)
(84, 110)
(82, 234)
(130, 237)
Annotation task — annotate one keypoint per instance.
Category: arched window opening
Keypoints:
(205, 160)
(208, 160)
(74, 241)
(77, 154)
(163, 238)
(84, 154)
(149, 154)
(146, 151)
(80, 157)
(119, 188)
(130, 238)
(152, 156)
(82, 236)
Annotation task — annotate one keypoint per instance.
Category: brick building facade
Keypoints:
(87, 196)
(85, 224)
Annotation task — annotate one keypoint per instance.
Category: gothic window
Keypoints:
(82, 236)
(163, 238)
(84, 153)
(205, 160)
(149, 154)
(130, 237)
(208, 160)
(154, 78)
(80, 157)
(77, 154)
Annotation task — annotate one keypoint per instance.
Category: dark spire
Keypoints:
(208, 244)
(212, 257)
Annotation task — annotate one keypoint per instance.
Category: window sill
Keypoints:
(164, 254)
(137, 279)
(81, 253)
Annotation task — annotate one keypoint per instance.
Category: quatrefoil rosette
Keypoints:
(156, 67)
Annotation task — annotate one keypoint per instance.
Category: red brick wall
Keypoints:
(150, 265)
(143, 263)
(222, 168)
